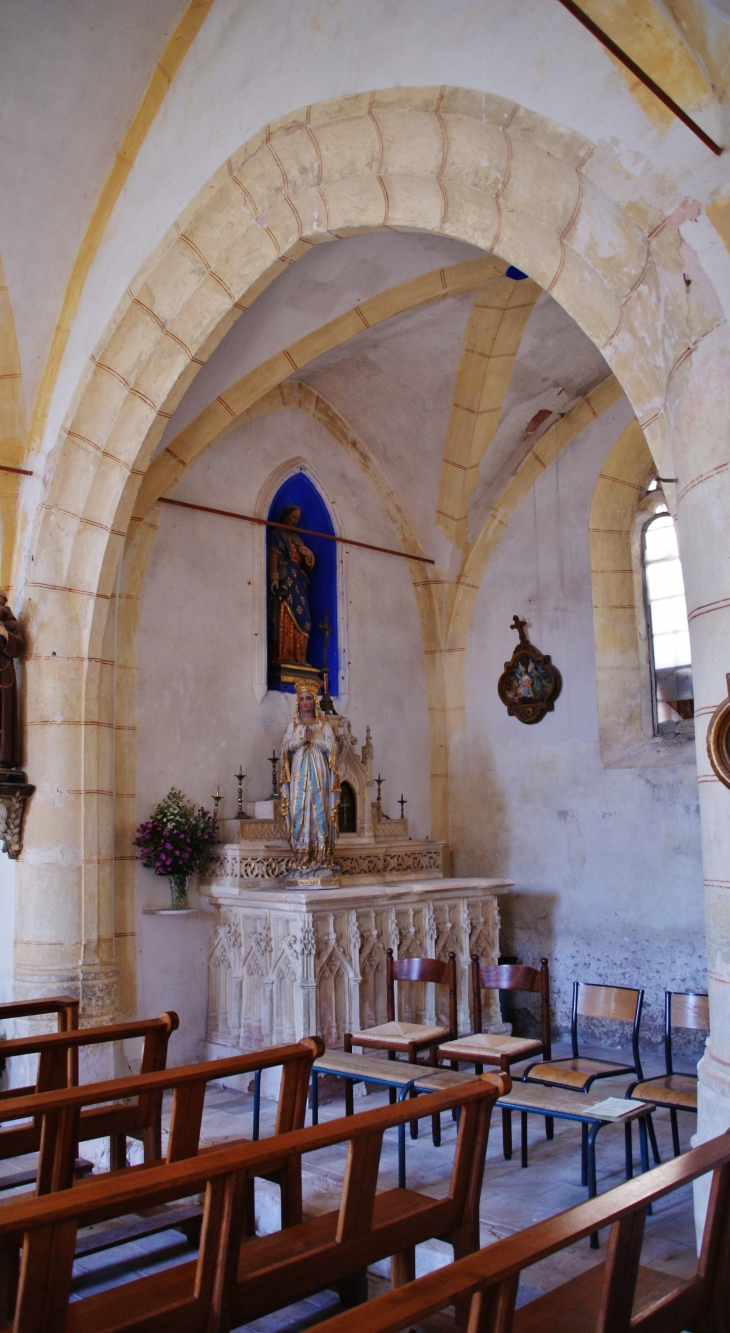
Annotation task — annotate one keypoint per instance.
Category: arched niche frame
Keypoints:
(288, 470)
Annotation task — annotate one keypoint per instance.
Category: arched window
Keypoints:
(347, 809)
(671, 659)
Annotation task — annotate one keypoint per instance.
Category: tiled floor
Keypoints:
(512, 1198)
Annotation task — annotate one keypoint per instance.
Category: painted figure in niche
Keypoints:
(310, 783)
(12, 645)
(290, 564)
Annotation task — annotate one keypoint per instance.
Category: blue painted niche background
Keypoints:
(299, 490)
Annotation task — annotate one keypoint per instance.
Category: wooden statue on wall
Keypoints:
(529, 684)
(14, 787)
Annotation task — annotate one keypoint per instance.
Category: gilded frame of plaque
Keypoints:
(718, 740)
(529, 684)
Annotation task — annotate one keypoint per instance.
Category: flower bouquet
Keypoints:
(176, 842)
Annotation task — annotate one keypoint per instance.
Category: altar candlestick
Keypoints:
(380, 782)
(239, 776)
(274, 761)
(216, 801)
(402, 803)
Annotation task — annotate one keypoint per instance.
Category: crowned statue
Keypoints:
(310, 784)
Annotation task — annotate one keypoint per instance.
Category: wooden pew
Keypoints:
(618, 1296)
(64, 1006)
(57, 1068)
(69, 1114)
(232, 1282)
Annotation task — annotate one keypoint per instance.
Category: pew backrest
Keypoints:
(200, 1297)
(489, 1278)
(57, 1056)
(66, 1009)
(94, 1110)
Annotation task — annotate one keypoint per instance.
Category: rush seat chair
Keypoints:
(399, 1038)
(675, 1092)
(487, 1048)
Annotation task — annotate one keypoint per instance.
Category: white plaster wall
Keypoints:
(606, 862)
(197, 715)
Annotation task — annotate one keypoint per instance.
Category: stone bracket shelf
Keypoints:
(13, 796)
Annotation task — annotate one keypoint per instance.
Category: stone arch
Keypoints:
(448, 160)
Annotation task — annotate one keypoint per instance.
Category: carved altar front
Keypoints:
(285, 963)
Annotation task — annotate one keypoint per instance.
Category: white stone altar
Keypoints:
(288, 962)
(291, 960)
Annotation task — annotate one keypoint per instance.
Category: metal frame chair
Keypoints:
(675, 1092)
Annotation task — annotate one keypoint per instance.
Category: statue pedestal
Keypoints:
(286, 963)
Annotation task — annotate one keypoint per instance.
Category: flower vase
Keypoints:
(179, 885)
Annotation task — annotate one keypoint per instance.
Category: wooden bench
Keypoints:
(564, 1104)
(618, 1296)
(58, 1068)
(65, 1115)
(64, 1006)
(230, 1282)
(399, 1075)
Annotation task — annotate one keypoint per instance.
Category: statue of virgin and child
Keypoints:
(310, 784)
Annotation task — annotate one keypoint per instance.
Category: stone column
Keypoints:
(702, 455)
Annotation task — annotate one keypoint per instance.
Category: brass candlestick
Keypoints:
(274, 759)
(239, 776)
(216, 802)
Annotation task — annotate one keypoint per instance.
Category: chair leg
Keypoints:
(583, 1153)
(435, 1119)
(249, 1208)
(523, 1138)
(412, 1060)
(507, 1134)
(652, 1140)
(549, 1127)
(349, 1105)
(675, 1131)
(414, 1123)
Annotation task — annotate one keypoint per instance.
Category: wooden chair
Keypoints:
(408, 1039)
(676, 1092)
(486, 1048)
(58, 1068)
(230, 1282)
(617, 1296)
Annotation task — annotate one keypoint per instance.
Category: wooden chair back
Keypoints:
(683, 1009)
(57, 1063)
(687, 1009)
(208, 1294)
(68, 1115)
(66, 1007)
(489, 1278)
(621, 1004)
(512, 976)
(423, 970)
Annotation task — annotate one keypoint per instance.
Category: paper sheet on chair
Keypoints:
(613, 1107)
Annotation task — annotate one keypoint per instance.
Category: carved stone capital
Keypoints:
(13, 796)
